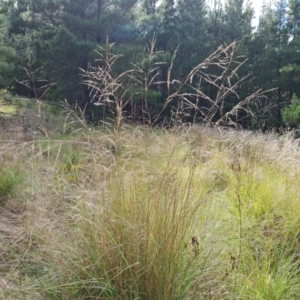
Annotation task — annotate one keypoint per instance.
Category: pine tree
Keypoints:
(62, 36)
(290, 69)
(7, 53)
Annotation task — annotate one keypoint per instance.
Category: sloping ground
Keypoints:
(24, 119)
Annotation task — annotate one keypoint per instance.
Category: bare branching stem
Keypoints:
(217, 74)
(40, 90)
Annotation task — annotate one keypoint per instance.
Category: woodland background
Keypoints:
(52, 43)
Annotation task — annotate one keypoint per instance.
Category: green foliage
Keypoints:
(291, 113)
(7, 54)
(62, 35)
(8, 181)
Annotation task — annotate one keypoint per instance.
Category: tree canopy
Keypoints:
(61, 37)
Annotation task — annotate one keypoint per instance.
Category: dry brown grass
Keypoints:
(188, 213)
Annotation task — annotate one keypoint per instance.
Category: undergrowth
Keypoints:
(187, 213)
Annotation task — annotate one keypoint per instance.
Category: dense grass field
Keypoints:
(185, 213)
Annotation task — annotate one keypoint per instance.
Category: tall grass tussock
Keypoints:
(184, 213)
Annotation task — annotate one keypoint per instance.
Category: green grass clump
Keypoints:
(8, 180)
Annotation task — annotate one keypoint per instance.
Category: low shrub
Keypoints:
(8, 180)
